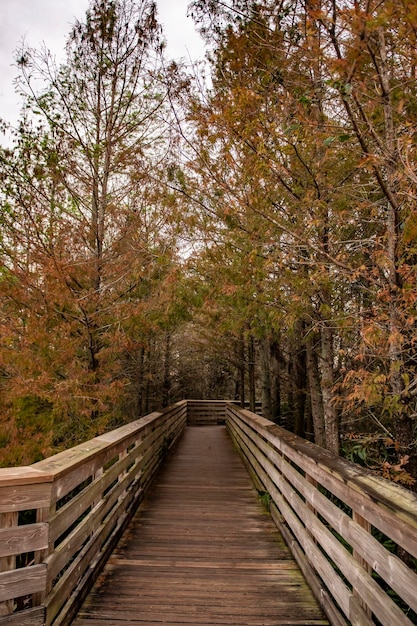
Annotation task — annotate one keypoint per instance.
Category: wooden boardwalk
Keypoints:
(201, 551)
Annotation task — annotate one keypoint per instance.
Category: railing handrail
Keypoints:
(53, 467)
(309, 489)
(76, 503)
(350, 475)
(67, 512)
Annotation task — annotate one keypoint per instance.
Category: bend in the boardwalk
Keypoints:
(201, 551)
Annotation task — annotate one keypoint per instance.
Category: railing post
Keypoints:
(363, 523)
(314, 484)
(7, 563)
(42, 515)
(48, 554)
(97, 476)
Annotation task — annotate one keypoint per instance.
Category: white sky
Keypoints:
(50, 21)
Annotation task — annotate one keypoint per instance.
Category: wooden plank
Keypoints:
(30, 617)
(124, 433)
(386, 505)
(7, 562)
(24, 497)
(20, 539)
(356, 531)
(20, 582)
(202, 550)
(371, 593)
(26, 475)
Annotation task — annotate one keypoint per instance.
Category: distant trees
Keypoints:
(305, 147)
(282, 212)
(86, 239)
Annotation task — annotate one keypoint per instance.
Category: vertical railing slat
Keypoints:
(8, 563)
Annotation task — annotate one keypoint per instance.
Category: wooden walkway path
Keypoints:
(201, 551)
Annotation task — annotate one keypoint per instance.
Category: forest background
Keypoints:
(241, 229)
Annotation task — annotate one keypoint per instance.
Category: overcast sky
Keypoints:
(50, 21)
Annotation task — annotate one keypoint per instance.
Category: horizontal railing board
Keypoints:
(386, 505)
(123, 434)
(25, 475)
(29, 617)
(26, 538)
(24, 497)
(70, 460)
(111, 474)
(404, 581)
(22, 582)
(292, 470)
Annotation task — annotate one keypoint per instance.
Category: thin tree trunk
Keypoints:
(331, 422)
(251, 372)
(276, 380)
(140, 381)
(242, 362)
(316, 402)
(264, 358)
(166, 384)
(298, 380)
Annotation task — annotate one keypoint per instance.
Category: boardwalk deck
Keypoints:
(201, 551)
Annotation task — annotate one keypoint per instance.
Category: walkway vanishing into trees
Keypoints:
(201, 548)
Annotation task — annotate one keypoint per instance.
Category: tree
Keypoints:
(87, 242)
(307, 139)
(369, 51)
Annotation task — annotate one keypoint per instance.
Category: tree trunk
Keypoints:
(251, 371)
(316, 402)
(166, 383)
(264, 354)
(242, 368)
(298, 380)
(276, 380)
(331, 422)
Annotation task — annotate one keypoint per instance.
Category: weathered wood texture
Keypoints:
(201, 550)
(202, 413)
(338, 520)
(60, 518)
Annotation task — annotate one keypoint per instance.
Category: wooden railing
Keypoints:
(60, 518)
(205, 413)
(353, 534)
